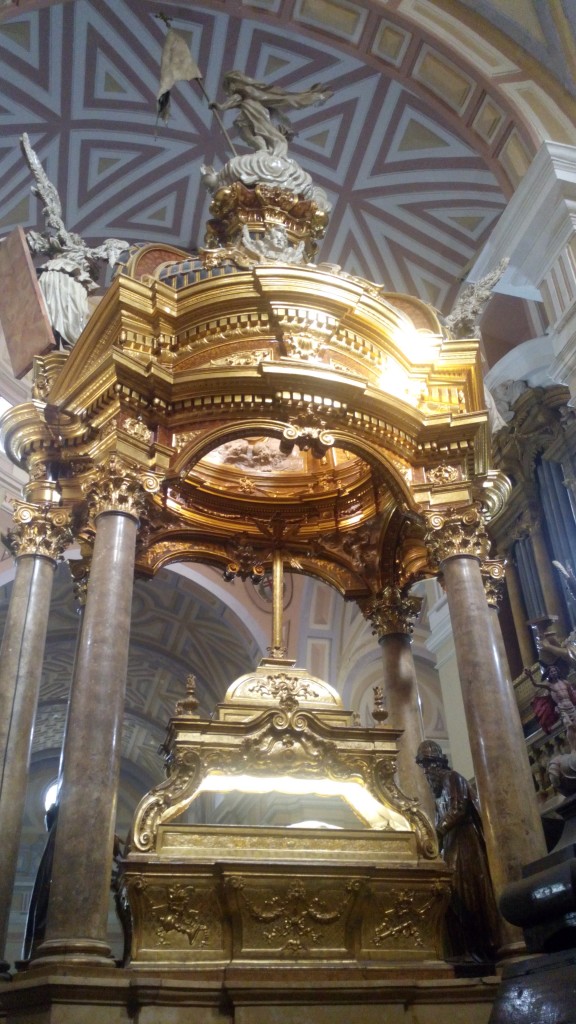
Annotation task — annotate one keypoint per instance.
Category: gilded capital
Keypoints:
(119, 487)
(493, 574)
(390, 612)
(455, 532)
(40, 530)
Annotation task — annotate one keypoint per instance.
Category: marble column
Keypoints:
(76, 928)
(514, 837)
(39, 539)
(391, 615)
(441, 644)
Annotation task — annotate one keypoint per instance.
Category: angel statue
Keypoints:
(71, 271)
(261, 121)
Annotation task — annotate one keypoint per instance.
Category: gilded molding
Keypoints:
(493, 575)
(391, 612)
(457, 532)
(44, 530)
(118, 487)
(384, 783)
(169, 798)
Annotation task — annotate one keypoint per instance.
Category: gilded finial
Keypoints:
(189, 706)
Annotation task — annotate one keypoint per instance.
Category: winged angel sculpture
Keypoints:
(71, 271)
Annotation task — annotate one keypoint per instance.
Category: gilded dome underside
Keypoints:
(249, 477)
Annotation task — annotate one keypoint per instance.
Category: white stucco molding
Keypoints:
(537, 223)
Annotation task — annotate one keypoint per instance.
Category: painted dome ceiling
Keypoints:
(417, 156)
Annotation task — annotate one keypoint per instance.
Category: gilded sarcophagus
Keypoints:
(280, 834)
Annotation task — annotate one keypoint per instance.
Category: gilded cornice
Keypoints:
(162, 377)
(155, 326)
(36, 426)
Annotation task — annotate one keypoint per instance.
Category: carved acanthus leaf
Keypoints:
(392, 612)
(119, 487)
(40, 530)
(456, 532)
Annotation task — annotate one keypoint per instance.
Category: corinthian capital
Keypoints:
(118, 487)
(390, 612)
(40, 530)
(456, 532)
(493, 575)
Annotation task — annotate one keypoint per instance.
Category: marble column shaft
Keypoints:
(510, 814)
(79, 895)
(21, 658)
(402, 704)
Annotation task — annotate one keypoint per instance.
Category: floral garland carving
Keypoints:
(295, 916)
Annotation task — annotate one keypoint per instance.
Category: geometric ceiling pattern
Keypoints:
(413, 198)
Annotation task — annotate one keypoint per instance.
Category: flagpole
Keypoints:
(217, 116)
(198, 78)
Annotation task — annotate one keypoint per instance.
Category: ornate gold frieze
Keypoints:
(239, 911)
(391, 612)
(443, 474)
(456, 532)
(295, 917)
(40, 530)
(236, 205)
(137, 428)
(279, 686)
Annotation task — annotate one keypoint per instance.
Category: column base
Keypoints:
(84, 952)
